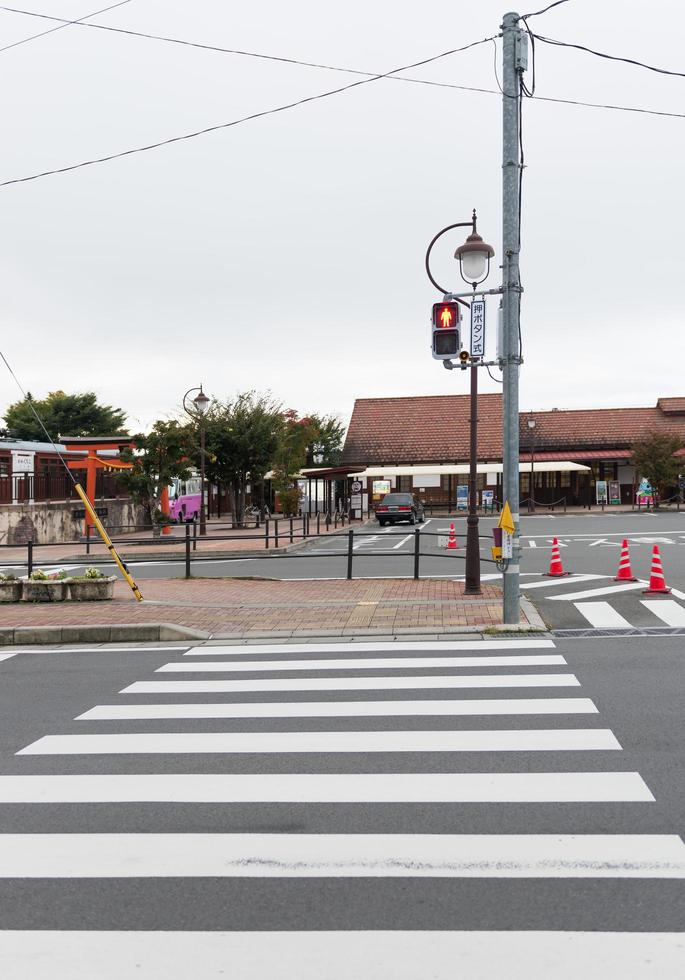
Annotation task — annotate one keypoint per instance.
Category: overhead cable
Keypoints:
(243, 119)
(608, 57)
(62, 23)
(537, 13)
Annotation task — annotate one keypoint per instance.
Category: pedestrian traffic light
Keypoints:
(445, 331)
(463, 357)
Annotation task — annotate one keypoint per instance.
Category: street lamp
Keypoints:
(474, 267)
(531, 428)
(201, 404)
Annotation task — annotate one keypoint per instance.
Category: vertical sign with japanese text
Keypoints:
(478, 327)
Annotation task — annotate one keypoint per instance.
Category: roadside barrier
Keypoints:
(625, 573)
(191, 555)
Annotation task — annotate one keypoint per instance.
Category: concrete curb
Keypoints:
(115, 633)
(532, 615)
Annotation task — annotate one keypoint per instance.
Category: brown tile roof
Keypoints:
(672, 406)
(435, 428)
(426, 427)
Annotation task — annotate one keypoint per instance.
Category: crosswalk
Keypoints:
(319, 765)
(597, 601)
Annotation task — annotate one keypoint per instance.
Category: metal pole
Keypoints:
(203, 514)
(29, 557)
(472, 583)
(532, 473)
(511, 172)
(417, 551)
(350, 545)
(187, 550)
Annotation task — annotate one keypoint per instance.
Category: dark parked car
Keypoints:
(396, 507)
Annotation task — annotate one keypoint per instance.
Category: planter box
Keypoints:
(50, 591)
(92, 589)
(10, 591)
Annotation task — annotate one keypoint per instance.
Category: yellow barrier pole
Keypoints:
(105, 537)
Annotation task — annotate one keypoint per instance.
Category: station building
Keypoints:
(421, 444)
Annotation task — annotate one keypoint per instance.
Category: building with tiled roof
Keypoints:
(587, 445)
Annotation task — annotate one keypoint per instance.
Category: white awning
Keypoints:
(556, 466)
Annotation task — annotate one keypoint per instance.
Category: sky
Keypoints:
(286, 254)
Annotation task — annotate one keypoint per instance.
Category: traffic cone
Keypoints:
(556, 569)
(625, 573)
(452, 540)
(657, 582)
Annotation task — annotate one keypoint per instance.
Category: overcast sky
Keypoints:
(286, 254)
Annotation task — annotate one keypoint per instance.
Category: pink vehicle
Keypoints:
(184, 500)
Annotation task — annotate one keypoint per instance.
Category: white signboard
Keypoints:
(507, 544)
(478, 328)
(356, 486)
(22, 462)
(356, 501)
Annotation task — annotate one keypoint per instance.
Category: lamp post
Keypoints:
(474, 267)
(201, 404)
(531, 428)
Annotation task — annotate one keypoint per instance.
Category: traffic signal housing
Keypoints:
(445, 331)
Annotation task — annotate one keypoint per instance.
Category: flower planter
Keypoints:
(10, 591)
(92, 589)
(44, 591)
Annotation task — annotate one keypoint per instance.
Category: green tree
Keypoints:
(296, 436)
(653, 457)
(64, 415)
(241, 439)
(164, 453)
(326, 448)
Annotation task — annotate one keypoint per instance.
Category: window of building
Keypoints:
(565, 480)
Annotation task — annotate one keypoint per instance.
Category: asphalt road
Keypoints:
(531, 809)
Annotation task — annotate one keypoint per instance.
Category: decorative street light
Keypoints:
(474, 267)
(201, 404)
(531, 428)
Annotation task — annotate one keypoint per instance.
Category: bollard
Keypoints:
(291, 530)
(417, 552)
(187, 550)
(87, 539)
(29, 558)
(276, 533)
(318, 523)
(195, 534)
(266, 533)
(350, 544)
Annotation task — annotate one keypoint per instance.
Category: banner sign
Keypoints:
(478, 328)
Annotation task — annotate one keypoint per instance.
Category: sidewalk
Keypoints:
(236, 609)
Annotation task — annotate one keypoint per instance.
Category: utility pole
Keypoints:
(513, 63)
(472, 570)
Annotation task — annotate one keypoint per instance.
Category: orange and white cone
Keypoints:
(657, 582)
(625, 573)
(452, 540)
(556, 569)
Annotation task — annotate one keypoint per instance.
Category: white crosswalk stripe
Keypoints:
(667, 610)
(366, 757)
(601, 614)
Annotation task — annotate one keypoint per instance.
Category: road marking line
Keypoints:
(422, 787)
(399, 663)
(452, 646)
(667, 610)
(399, 544)
(591, 593)
(556, 582)
(144, 743)
(341, 709)
(339, 955)
(341, 856)
(352, 684)
(601, 615)
(8, 656)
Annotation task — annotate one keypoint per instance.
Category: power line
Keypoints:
(63, 23)
(243, 119)
(609, 57)
(537, 13)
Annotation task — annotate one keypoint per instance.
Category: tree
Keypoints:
(296, 436)
(653, 457)
(326, 448)
(64, 415)
(157, 458)
(241, 439)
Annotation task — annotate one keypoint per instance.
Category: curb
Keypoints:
(116, 633)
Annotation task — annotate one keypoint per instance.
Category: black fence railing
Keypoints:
(189, 554)
(58, 486)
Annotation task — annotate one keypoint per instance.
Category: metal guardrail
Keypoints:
(532, 504)
(190, 555)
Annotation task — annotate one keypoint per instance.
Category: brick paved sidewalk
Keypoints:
(232, 607)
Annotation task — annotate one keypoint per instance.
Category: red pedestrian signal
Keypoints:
(445, 315)
(445, 331)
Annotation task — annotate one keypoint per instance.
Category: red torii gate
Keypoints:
(93, 462)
